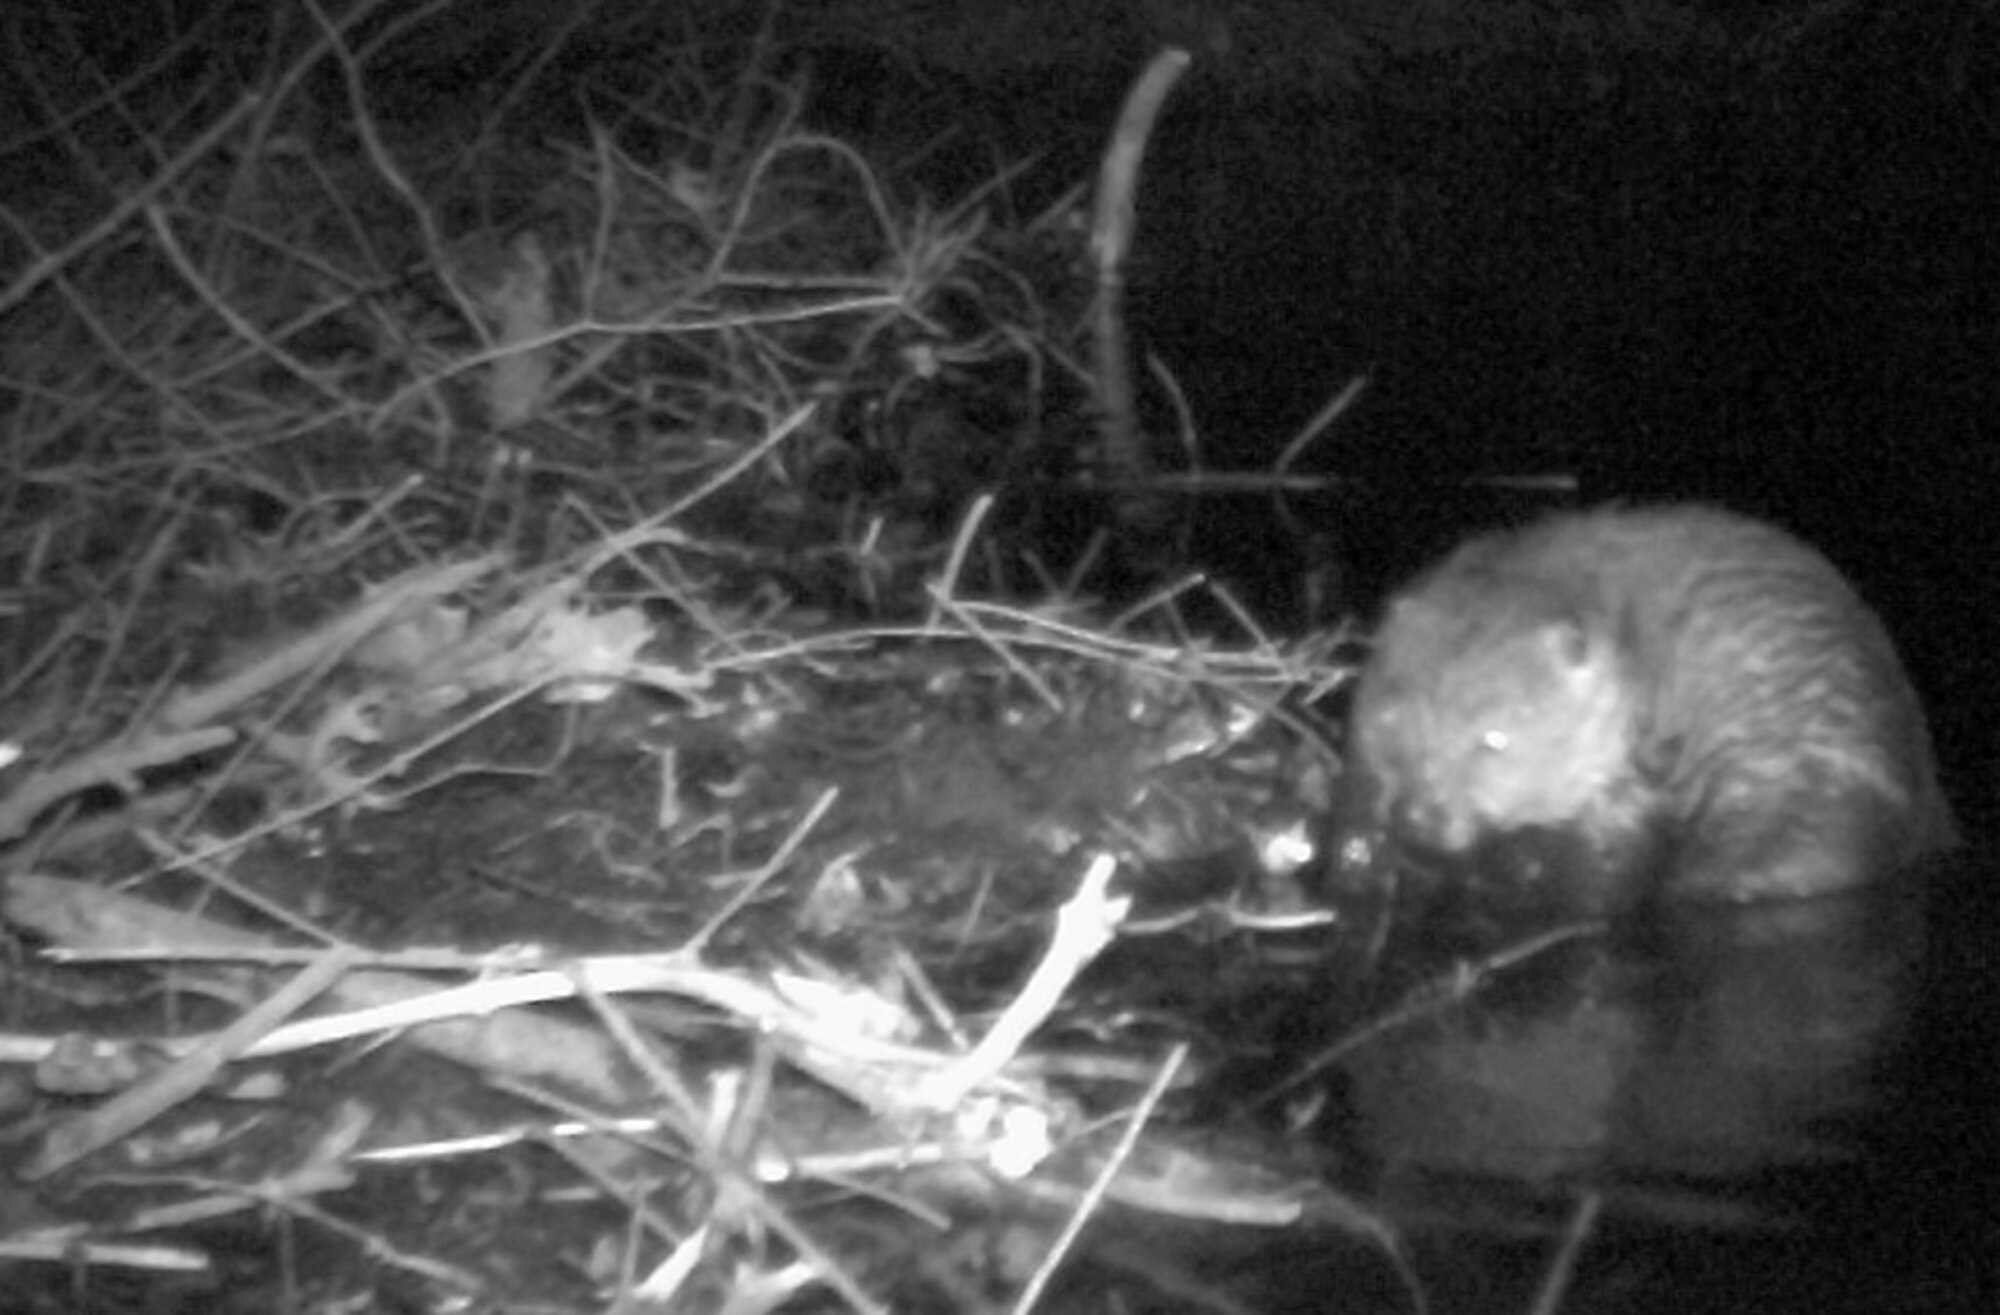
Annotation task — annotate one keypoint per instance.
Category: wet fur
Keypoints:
(1679, 689)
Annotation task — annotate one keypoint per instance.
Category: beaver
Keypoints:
(1686, 701)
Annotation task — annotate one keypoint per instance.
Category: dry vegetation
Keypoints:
(537, 779)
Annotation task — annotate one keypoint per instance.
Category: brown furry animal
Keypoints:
(1696, 703)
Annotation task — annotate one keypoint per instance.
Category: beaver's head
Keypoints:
(1464, 727)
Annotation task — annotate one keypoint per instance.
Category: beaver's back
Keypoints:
(1679, 673)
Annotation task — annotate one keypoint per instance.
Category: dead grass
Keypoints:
(503, 679)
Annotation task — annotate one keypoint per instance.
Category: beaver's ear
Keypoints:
(1565, 643)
